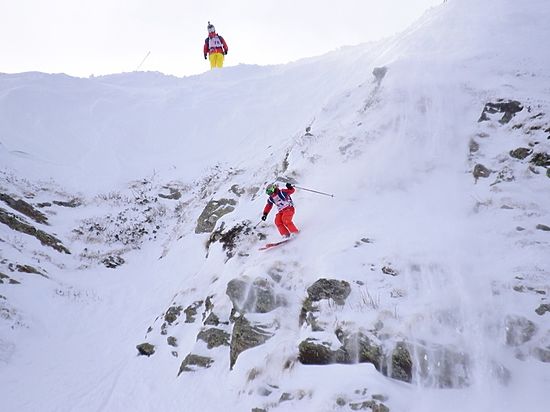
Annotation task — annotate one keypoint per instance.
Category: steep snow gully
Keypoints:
(130, 204)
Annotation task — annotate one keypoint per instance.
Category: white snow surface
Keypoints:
(395, 153)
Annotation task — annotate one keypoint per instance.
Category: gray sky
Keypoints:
(84, 37)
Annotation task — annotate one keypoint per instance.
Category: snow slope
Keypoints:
(451, 265)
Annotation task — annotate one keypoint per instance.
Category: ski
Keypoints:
(270, 245)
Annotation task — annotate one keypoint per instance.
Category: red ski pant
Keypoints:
(283, 221)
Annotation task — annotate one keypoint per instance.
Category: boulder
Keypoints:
(480, 171)
(337, 290)
(256, 297)
(543, 308)
(401, 363)
(519, 330)
(191, 311)
(246, 336)
(172, 314)
(543, 227)
(521, 152)
(145, 349)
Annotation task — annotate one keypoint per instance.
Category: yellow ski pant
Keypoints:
(216, 60)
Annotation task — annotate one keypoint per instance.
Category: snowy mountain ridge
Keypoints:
(130, 209)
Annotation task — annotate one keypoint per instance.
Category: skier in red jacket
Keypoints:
(281, 198)
(216, 47)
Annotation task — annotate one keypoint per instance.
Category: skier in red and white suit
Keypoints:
(216, 47)
(281, 198)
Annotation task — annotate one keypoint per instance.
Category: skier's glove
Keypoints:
(225, 52)
(264, 217)
(289, 186)
(205, 57)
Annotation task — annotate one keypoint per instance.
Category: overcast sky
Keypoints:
(84, 37)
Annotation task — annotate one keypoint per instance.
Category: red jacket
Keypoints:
(281, 198)
(218, 44)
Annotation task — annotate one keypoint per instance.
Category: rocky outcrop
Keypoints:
(229, 238)
(337, 290)
(212, 212)
(214, 337)
(25, 208)
(193, 362)
(246, 336)
(18, 224)
(541, 159)
(401, 363)
(253, 297)
(519, 330)
(508, 109)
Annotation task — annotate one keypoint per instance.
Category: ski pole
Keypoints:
(258, 224)
(314, 191)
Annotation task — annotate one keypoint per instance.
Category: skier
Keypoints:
(216, 47)
(281, 198)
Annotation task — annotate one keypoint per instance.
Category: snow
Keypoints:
(394, 154)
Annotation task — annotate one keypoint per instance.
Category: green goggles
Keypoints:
(270, 190)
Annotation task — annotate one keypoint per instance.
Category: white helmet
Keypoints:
(211, 28)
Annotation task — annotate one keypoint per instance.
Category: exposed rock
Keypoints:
(474, 146)
(481, 171)
(508, 108)
(505, 175)
(214, 337)
(519, 330)
(258, 297)
(521, 152)
(246, 336)
(145, 349)
(542, 309)
(25, 208)
(229, 238)
(191, 311)
(175, 193)
(237, 190)
(337, 290)
(112, 261)
(543, 227)
(356, 348)
(368, 405)
(192, 362)
(541, 159)
(401, 363)
(16, 223)
(312, 352)
(379, 73)
(389, 271)
(212, 319)
(172, 341)
(212, 212)
(542, 354)
(172, 314)
(72, 203)
(442, 367)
